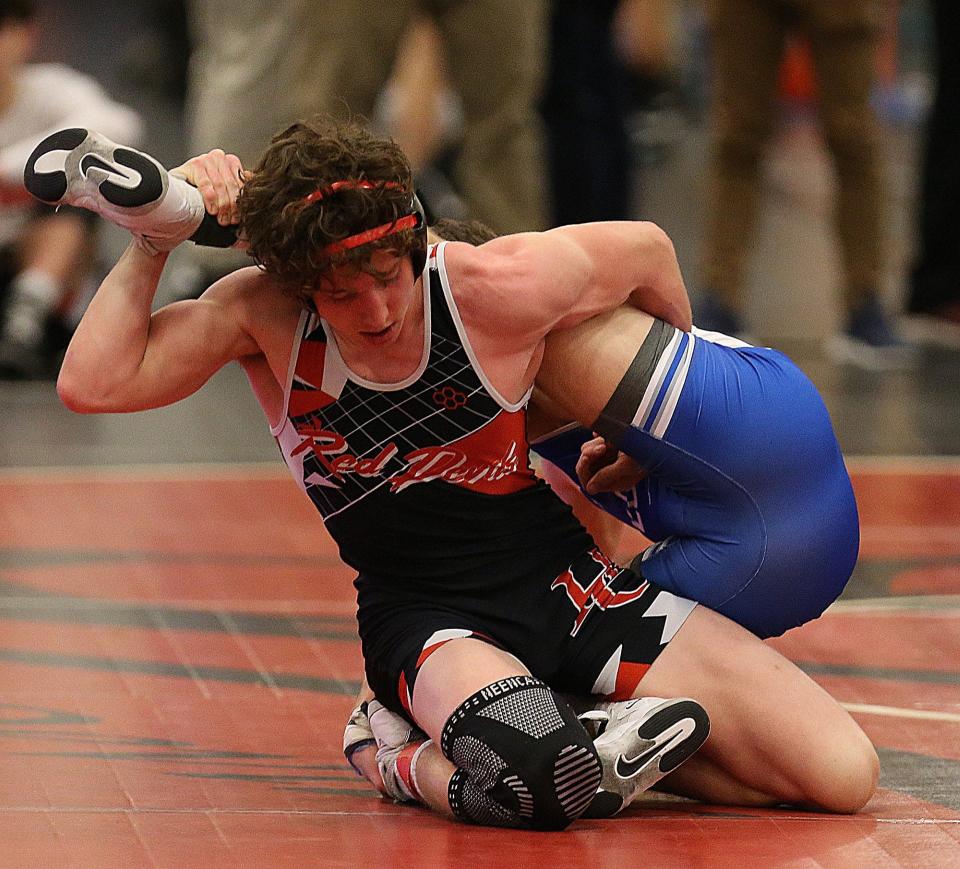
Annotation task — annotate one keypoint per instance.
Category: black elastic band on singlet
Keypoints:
(618, 414)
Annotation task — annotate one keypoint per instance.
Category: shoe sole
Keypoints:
(129, 181)
(673, 714)
(102, 155)
(847, 351)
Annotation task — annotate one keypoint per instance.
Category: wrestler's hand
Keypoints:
(603, 468)
(360, 747)
(219, 177)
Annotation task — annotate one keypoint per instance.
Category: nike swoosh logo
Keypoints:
(92, 161)
(628, 768)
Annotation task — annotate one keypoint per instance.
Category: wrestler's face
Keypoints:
(364, 310)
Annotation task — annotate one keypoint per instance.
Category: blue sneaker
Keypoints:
(870, 341)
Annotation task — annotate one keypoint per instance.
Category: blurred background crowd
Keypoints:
(802, 154)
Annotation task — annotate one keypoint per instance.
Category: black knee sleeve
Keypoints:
(523, 759)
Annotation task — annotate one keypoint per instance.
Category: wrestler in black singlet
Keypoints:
(426, 487)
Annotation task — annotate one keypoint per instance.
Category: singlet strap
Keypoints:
(303, 325)
(454, 311)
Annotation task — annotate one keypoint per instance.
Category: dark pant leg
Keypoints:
(935, 281)
(584, 109)
(844, 35)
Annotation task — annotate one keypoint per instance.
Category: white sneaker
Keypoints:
(845, 349)
(127, 187)
(395, 736)
(640, 741)
(870, 340)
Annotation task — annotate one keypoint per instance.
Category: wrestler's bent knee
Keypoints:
(836, 770)
(853, 777)
(523, 759)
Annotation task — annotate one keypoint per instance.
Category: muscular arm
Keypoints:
(123, 358)
(514, 291)
(632, 262)
(557, 279)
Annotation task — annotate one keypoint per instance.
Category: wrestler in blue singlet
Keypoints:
(748, 498)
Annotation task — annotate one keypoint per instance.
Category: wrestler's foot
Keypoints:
(127, 187)
(399, 745)
(640, 741)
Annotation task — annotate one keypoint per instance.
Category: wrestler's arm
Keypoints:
(562, 277)
(124, 358)
(607, 341)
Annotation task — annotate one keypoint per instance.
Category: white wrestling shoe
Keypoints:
(80, 167)
(399, 743)
(639, 742)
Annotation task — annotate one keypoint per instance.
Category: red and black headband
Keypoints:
(414, 220)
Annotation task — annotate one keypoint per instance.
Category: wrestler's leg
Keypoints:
(511, 752)
(609, 344)
(438, 692)
(777, 736)
(747, 487)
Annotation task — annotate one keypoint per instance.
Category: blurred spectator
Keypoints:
(646, 36)
(420, 110)
(44, 255)
(748, 43)
(586, 96)
(649, 39)
(584, 110)
(259, 66)
(935, 279)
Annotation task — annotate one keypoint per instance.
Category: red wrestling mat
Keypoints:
(178, 655)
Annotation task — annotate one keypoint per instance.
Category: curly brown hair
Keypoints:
(287, 233)
(473, 232)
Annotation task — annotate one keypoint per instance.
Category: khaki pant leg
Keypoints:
(240, 86)
(844, 35)
(245, 71)
(348, 54)
(257, 67)
(494, 54)
(747, 43)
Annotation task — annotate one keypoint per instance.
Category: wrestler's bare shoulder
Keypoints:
(532, 276)
(248, 286)
(481, 278)
(256, 300)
